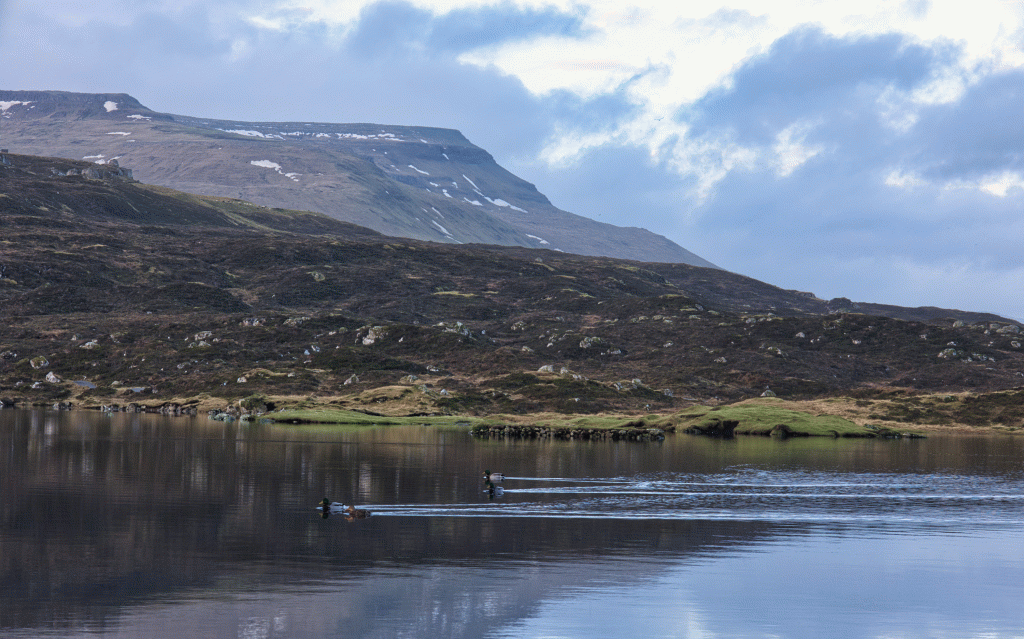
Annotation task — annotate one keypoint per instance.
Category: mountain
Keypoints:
(128, 292)
(414, 182)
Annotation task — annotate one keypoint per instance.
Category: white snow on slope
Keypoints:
(6, 105)
(473, 202)
(118, 133)
(446, 157)
(267, 164)
(252, 134)
(471, 183)
(110, 106)
(539, 239)
(445, 191)
(502, 203)
(93, 157)
(443, 230)
(136, 116)
(417, 170)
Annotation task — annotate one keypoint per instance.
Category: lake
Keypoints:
(130, 525)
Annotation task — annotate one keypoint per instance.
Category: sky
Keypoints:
(870, 150)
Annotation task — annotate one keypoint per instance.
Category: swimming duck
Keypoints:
(327, 505)
(357, 513)
(489, 476)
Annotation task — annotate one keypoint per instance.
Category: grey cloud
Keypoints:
(466, 29)
(808, 73)
(981, 133)
(387, 28)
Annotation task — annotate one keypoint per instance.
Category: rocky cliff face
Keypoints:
(415, 182)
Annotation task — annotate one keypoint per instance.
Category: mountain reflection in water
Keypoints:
(139, 525)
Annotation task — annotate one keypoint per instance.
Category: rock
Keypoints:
(547, 368)
(243, 379)
(353, 379)
(91, 344)
(720, 360)
(295, 321)
(374, 334)
(52, 378)
(8, 356)
(39, 362)
(768, 393)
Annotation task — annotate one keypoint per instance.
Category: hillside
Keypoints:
(414, 182)
(148, 295)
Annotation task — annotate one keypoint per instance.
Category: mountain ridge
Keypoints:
(418, 182)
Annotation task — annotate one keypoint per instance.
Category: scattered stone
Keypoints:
(374, 334)
(632, 433)
(52, 378)
(547, 368)
(90, 345)
(39, 362)
(768, 393)
(353, 379)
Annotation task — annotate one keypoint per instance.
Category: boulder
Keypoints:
(52, 378)
(39, 362)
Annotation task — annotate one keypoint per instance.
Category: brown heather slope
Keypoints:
(125, 286)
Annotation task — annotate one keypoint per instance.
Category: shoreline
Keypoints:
(827, 417)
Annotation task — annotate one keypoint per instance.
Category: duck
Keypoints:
(495, 477)
(357, 513)
(327, 505)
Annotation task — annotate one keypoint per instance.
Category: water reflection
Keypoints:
(138, 525)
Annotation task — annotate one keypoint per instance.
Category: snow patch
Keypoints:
(118, 133)
(503, 204)
(6, 105)
(445, 191)
(252, 134)
(417, 170)
(446, 157)
(475, 187)
(539, 239)
(267, 164)
(110, 106)
(139, 117)
(473, 202)
(98, 156)
(436, 211)
(443, 229)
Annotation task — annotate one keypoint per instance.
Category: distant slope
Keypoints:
(415, 182)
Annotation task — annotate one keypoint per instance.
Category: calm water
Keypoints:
(143, 526)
